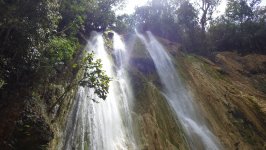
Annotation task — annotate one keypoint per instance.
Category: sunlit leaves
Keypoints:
(2, 82)
(61, 49)
(241, 28)
(239, 11)
(25, 28)
(95, 77)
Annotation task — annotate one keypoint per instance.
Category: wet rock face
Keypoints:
(32, 132)
(229, 98)
(25, 124)
(145, 66)
(233, 63)
(154, 122)
(231, 92)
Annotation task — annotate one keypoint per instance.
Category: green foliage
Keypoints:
(242, 28)
(123, 24)
(95, 77)
(73, 15)
(41, 44)
(175, 20)
(25, 27)
(41, 41)
(187, 21)
(101, 16)
(61, 49)
(159, 18)
(86, 15)
(2, 82)
(34, 19)
(207, 7)
(108, 39)
(240, 11)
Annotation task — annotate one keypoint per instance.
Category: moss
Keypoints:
(214, 72)
(58, 123)
(261, 86)
(245, 127)
(139, 50)
(258, 111)
(157, 125)
(108, 40)
(32, 130)
(181, 68)
(2, 82)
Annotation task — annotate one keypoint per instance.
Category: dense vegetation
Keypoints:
(42, 41)
(43, 59)
(241, 28)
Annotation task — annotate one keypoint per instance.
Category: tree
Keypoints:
(207, 8)
(41, 39)
(241, 11)
(101, 16)
(94, 77)
(158, 17)
(73, 14)
(187, 21)
(123, 24)
(242, 28)
(25, 27)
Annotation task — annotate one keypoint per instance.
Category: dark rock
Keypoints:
(145, 66)
(32, 132)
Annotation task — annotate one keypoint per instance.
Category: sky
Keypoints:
(130, 6)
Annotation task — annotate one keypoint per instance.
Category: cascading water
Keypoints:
(124, 82)
(106, 125)
(198, 135)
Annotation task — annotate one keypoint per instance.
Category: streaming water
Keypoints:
(198, 135)
(106, 125)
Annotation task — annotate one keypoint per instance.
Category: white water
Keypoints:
(106, 125)
(198, 135)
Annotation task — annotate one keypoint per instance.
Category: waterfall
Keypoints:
(124, 82)
(106, 125)
(198, 135)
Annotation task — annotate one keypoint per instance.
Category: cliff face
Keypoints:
(28, 123)
(156, 126)
(27, 120)
(230, 92)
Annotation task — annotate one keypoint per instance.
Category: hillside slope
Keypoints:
(231, 92)
(232, 96)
